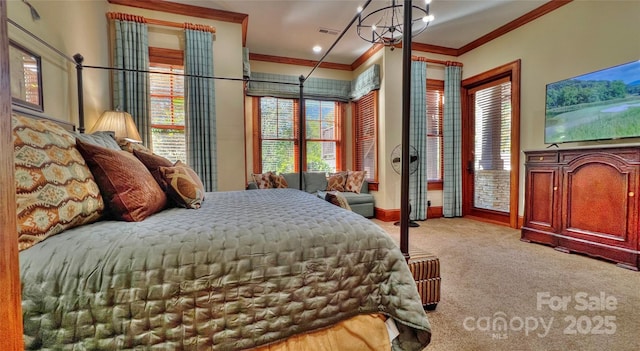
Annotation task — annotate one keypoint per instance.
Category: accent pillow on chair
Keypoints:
(354, 181)
(128, 188)
(55, 189)
(315, 181)
(337, 181)
(263, 180)
(279, 181)
(336, 198)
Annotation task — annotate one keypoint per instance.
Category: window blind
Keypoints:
(167, 111)
(435, 110)
(365, 149)
(493, 123)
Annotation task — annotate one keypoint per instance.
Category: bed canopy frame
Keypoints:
(77, 60)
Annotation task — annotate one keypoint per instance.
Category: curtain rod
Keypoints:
(135, 18)
(439, 62)
(188, 75)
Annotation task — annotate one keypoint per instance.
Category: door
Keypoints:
(491, 146)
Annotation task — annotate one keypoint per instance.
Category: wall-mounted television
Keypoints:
(604, 104)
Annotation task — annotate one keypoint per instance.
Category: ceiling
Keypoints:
(290, 28)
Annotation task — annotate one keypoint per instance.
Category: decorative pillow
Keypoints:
(337, 181)
(128, 145)
(153, 163)
(101, 138)
(354, 181)
(184, 186)
(279, 181)
(336, 198)
(263, 181)
(127, 186)
(54, 188)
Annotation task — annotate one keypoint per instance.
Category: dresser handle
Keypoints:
(541, 158)
(555, 188)
(631, 194)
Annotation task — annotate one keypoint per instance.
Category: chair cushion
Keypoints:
(293, 180)
(354, 198)
(315, 181)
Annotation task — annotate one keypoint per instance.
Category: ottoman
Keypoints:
(425, 268)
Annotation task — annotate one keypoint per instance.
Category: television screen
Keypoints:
(600, 105)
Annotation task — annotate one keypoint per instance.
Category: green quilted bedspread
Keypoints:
(247, 269)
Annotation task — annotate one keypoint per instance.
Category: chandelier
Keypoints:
(385, 26)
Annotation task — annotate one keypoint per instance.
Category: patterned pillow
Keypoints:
(263, 181)
(279, 181)
(153, 163)
(128, 145)
(127, 186)
(354, 181)
(337, 181)
(184, 186)
(336, 198)
(54, 188)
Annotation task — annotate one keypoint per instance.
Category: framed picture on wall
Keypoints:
(26, 77)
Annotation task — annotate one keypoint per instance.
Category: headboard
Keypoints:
(64, 124)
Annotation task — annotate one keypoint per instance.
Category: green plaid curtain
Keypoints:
(314, 88)
(200, 106)
(131, 89)
(452, 138)
(418, 139)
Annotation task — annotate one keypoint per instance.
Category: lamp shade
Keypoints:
(119, 122)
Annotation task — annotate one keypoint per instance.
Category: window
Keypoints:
(435, 111)
(365, 114)
(323, 135)
(167, 107)
(276, 121)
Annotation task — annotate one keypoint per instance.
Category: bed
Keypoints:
(248, 268)
(239, 270)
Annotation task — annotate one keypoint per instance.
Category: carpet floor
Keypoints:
(499, 293)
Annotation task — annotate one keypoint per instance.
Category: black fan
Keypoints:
(396, 163)
(396, 159)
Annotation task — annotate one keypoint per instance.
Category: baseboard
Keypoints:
(393, 215)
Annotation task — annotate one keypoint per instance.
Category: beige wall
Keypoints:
(577, 38)
(71, 27)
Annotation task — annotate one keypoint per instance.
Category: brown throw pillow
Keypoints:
(263, 181)
(55, 189)
(336, 198)
(354, 181)
(278, 181)
(153, 163)
(337, 181)
(127, 186)
(184, 186)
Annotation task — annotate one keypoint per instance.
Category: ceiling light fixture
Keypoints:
(317, 49)
(385, 25)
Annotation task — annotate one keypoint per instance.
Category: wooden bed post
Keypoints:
(78, 59)
(10, 305)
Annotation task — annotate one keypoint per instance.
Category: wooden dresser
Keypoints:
(585, 200)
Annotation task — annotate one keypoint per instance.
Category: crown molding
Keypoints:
(298, 62)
